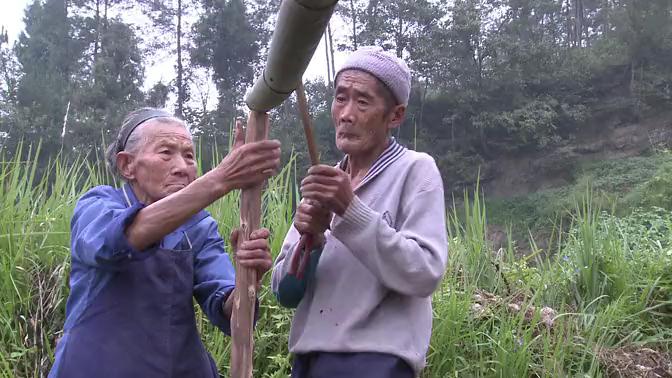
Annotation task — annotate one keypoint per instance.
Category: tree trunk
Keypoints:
(422, 111)
(331, 50)
(96, 44)
(578, 23)
(452, 133)
(180, 84)
(105, 20)
(354, 24)
(400, 35)
(242, 319)
(326, 50)
(568, 19)
(484, 142)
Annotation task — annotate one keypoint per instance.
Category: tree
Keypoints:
(168, 18)
(113, 89)
(396, 25)
(10, 74)
(228, 41)
(49, 57)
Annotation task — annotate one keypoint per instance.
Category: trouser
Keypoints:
(350, 365)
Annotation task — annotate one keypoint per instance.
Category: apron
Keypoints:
(142, 324)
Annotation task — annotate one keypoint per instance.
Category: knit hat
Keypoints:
(389, 69)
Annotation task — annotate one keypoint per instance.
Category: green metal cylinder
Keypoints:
(299, 28)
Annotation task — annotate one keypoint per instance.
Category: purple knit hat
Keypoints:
(389, 69)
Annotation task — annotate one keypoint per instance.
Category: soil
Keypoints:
(526, 173)
(635, 362)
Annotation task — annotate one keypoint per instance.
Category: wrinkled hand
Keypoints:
(254, 253)
(311, 218)
(329, 187)
(248, 164)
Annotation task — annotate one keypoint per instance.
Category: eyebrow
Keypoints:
(174, 144)
(358, 93)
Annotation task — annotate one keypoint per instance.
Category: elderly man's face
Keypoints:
(362, 113)
(164, 163)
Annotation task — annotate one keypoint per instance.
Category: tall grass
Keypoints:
(601, 283)
(607, 279)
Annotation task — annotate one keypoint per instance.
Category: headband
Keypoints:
(136, 121)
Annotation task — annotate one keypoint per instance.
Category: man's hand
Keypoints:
(329, 187)
(247, 164)
(311, 218)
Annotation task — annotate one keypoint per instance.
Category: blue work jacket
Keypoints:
(130, 313)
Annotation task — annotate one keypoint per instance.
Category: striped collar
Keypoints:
(391, 154)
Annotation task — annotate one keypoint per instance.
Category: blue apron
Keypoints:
(121, 334)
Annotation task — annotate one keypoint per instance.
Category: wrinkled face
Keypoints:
(362, 113)
(164, 162)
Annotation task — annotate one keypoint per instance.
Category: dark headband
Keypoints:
(136, 121)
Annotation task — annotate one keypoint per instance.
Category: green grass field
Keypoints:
(604, 288)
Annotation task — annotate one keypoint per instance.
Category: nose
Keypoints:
(347, 113)
(180, 166)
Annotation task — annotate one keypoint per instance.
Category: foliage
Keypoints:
(622, 185)
(608, 282)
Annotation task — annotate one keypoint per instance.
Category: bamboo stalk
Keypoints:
(242, 318)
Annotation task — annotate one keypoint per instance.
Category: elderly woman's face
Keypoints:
(361, 114)
(164, 163)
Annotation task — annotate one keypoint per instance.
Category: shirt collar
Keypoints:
(129, 196)
(391, 154)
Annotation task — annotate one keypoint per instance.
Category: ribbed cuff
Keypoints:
(357, 214)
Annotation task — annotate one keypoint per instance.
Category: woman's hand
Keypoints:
(246, 165)
(254, 253)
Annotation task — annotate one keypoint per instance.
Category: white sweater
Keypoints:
(383, 259)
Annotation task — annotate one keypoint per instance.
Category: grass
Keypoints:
(618, 185)
(608, 282)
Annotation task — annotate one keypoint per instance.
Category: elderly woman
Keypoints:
(380, 244)
(141, 252)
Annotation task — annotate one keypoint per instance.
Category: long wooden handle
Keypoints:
(242, 319)
(306, 243)
(307, 124)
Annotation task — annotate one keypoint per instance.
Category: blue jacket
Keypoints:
(130, 313)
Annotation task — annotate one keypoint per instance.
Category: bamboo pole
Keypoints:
(242, 318)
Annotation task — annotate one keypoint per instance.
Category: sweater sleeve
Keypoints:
(288, 289)
(283, 261)
(410, 258)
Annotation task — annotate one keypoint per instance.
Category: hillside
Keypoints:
(520, 174)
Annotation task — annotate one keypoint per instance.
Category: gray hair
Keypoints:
(131, 136)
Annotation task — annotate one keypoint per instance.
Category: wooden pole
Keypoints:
(306, 243)
(242, 318)
(307, 124)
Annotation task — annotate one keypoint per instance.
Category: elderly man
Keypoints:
(141, 253)
(377, 222)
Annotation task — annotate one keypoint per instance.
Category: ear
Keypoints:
(397, 115)
(125, 165)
